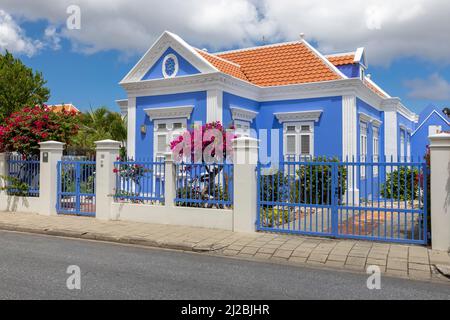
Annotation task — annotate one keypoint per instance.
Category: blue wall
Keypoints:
(144, 143)
(402, 121)
(327, 132)
(420, 140)
(184, 67)
(350, 70)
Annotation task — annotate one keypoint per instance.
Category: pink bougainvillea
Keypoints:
(23, 130)
(210, 142)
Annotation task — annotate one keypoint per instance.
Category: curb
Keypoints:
(108, 238)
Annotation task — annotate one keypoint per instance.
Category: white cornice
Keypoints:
(313, 115)
(123, 105)
(368, 118)
(166, 40)
(243, 114)
(169, 112)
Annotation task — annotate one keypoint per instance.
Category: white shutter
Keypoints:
(305, 144)
(162, 143)
(291, 143)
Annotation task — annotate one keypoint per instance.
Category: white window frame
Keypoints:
(408, 146)
(402, 145)
(244, 131)
(363, 133)
(298, 133)
(169, 132)
(375, 148)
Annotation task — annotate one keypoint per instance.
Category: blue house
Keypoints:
(432, 120)
(319, 105)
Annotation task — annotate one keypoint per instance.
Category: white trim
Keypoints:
(298, 133)
(341, 54)
(377, 86)
(426, 119)
(390, 134)
(153, 54)
(324, 59)
(169, 133)
(360, 55)
(175, 72)
(369, 119)
(296, 116)
(169, 112)
(214, 105)
(243, 114)
(349, 127)
(405, 128)
(131, 128)
(123, 105)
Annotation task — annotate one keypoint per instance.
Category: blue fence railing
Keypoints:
(139, 181)
(384, 201)
(204, 185)
(24, 175)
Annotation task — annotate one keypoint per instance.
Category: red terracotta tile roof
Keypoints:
(374, 88)
(224, 65)
(283, 64)
(59, 107)
(340, 60)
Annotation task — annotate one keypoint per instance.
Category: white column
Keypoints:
(107, 153)
(390, 128)
(245, 158)
(50, 153)
(214, 102)
(3, 172)
(440, 191)
(169, 181)
(350, 144)
(131, 127)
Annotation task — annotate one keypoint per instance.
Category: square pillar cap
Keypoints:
(51, 145)
(107, 145)
(440, 140)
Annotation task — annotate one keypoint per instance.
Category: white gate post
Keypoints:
(3, 172)
(440, 191)
(245, 158)
(169, 181)
(50, 153)
(107, 153)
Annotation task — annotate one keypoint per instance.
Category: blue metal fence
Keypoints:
(76, 187)
(204, 185)
(139, 181)
(24, 175)
(384, 201)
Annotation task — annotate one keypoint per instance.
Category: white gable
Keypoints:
(166, 40)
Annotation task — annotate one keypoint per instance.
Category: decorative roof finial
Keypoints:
(302, 36)
(369, 76)
(204, 49)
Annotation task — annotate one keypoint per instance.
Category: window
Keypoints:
(408, 146)
(165, 131)
(402, 145)
(376, 148)
(242, 128)
(298, 140)
(363, 146)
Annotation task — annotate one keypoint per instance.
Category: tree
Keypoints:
(100, 124)
(19, 86)
(23, 130)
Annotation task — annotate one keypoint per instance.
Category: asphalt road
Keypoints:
(34, 267)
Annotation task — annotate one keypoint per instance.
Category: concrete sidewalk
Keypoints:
(413, 262)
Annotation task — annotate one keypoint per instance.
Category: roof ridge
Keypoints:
(217, 57)
(342, 54)
(278, 44)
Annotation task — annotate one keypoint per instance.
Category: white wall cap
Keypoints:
(51, 145)
(245, 143)
(107, 144)
(440, 140)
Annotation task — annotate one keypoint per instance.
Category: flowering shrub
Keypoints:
(204, 143)
(23, 130)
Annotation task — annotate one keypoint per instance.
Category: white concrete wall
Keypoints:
(182, 216)
(20, 204)
(440, 191)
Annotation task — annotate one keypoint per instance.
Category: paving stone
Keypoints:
(283, 253)
(420, 267)
(337, 264)
(419, 275)
(356, 261)
(229, 252)
(439, 257)
(397, 264)
(318, 257)
(396, 273)
(264, 256)
(249, 250)
(377, 256)
(419, 260)
(301, 253)
(360, 254)
(297, 259)
(336, 257)
(376, 262)
(267, 250)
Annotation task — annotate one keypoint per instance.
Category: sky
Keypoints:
(84, 47)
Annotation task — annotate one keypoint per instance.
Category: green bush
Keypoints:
(192, 192)
(15, 186)
(274, 187)
(315, 181)
(272, 217)
(400, 184)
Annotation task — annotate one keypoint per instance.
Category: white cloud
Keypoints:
(389, 29)
(52, 38)
(434, 87)
(13, 39)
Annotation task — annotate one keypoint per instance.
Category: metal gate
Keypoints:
(381, 201)
(76, 188)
